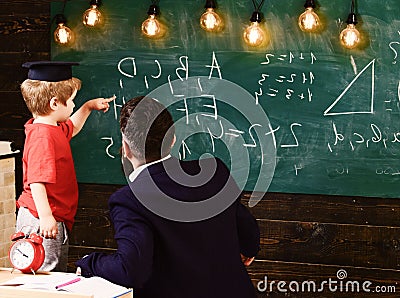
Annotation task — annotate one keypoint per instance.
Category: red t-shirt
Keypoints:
(47, 159)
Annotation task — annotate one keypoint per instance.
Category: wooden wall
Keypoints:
(304, 237)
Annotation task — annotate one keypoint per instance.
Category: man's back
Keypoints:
(194, 258)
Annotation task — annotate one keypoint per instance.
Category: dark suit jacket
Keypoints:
(161, 257)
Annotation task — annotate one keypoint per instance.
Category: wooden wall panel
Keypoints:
(25, 26)
(384, 281)
(13, 110)
(12, 74)
(18, 34)
(330, 244)
(328, 209)
(25, 7)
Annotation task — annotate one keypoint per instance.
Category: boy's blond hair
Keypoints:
(37, 94)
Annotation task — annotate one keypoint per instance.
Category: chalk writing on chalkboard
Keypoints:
(195, 107)
(395, 47)
(330, 115)
(369, 109)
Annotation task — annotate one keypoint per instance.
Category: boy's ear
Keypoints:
(53, 104)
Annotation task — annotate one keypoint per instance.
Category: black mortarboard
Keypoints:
(50, 71)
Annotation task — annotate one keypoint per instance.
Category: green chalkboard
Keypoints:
(300, 115)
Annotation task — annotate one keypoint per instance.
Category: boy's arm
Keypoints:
(48, 225)
(80, 116)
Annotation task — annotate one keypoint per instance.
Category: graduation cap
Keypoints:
(50, 71)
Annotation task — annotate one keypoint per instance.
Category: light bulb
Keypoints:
(92, 17)
(63, 35)
(350, 37)
(151, 27)
(211, 21)
(309, 20)
(254, 35)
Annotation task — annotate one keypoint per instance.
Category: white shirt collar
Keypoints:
(137, 171)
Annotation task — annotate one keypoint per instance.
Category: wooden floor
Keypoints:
(307, 240)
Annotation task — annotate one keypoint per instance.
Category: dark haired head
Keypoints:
(148, 128)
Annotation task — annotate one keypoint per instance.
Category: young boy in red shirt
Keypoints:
(49, 199)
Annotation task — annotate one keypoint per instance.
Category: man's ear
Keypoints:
(173, 141)
(53, 104)
(126, 150)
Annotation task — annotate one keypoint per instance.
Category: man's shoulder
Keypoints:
(124, 191)
(123, 195)
(125, 199)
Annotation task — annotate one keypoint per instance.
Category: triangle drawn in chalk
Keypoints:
(362, 89)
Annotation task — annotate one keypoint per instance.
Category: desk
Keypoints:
(15, 292)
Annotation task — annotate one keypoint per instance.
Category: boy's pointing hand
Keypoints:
(102, 104)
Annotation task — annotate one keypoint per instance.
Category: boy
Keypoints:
(49, 198)
(167, 257)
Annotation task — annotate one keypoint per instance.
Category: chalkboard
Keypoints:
(300, 115)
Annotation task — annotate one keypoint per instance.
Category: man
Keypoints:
(166, 246)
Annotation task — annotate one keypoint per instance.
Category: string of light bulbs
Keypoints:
(91, 18)
(255, 34)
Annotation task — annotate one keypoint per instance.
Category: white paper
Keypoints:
(97, 286)
(44, 282)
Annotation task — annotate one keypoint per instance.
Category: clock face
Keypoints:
(22, 254)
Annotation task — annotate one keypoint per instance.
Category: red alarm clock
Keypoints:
(26, 253)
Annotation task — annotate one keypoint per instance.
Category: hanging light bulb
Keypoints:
(309, 20)
(92, 17)
(255, 35)
(210, 20)
(63, 35)
(151, 27)
(350, 37)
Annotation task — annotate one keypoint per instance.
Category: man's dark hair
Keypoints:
(148, 128)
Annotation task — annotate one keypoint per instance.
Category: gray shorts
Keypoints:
(56, 250)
